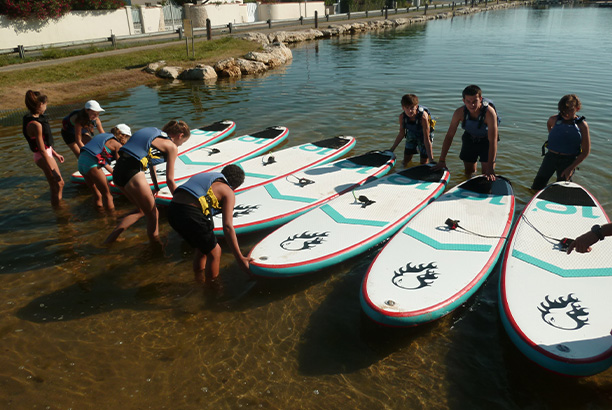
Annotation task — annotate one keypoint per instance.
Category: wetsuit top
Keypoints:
(476, 127)
(46, 131)
(68, 126)
(200, 186)
(565, 138)
(414, 129)
(140, 146)
(97, 148)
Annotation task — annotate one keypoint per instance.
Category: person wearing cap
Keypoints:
(145, 149)
(95, 155)
(191, 215)
(78, 126)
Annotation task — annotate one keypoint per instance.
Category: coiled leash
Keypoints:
(563, 243)
(302, 182)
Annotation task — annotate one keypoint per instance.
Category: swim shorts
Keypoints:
(86, 162)
(474, 148)
(38, 156)
(68, 136)
(193, 226)
(125, 168)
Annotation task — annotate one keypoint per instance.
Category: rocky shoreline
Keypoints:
(275, 53)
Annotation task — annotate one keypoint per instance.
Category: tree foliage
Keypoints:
(52, 9)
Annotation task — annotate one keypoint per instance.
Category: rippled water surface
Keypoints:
(88, 326)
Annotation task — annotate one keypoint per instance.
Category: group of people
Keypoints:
(193, 205)
(204, 195)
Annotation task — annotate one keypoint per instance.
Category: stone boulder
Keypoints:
(152, 68)
(199, 73)
(251, 67)
(169, 72)
(274, 55)
(228, 68)
(257, 37)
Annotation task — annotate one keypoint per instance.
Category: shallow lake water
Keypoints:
(88, 326)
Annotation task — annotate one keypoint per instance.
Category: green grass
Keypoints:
(175, 54)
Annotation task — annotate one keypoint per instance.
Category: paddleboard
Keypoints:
(347, 225)
(442, 256)
(216, 156)
(278, 202)
(200, 137)
(270, 167)
(556, 307)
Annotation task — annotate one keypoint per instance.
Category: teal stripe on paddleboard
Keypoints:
(445, 246)
(188, 161)
(564, 273)
(273, 192)
(337, 217)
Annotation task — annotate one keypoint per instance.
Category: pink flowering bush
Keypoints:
(52, 9)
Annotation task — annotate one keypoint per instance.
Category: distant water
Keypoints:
(86, 326)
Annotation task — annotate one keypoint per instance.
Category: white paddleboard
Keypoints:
(200, 137)
(216, 156)
(347, 225)
(556, 307)
(270, 167)
(429, 269)
(280, 201)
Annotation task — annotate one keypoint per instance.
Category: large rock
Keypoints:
(257, 37)
(199, 73)
(251, 67)
(169, 72)
(274, 55)
(228, 68)
(296, 36)
(152, 68)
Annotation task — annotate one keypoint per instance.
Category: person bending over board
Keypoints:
(582, 244)
(78, 126)
(569, 143)
(191, 215)
(146, 148)
(37, 132)
(414, 125)
(95, 155)
(479, 120)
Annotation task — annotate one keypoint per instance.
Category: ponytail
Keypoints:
(177, 127)
(33, 100)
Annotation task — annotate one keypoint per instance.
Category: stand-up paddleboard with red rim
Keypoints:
(200, 137)
(216, 156)
(442, 256)
(272, 166)
(556, 307)
(280, 201)
(347, 225)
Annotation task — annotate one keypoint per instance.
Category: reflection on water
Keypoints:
(88, 326)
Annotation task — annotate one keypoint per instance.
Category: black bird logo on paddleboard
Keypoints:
(564, 313)
(241, 210)
(303, 241)
(415, 277)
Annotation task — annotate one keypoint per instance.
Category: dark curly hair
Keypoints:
(234, 175)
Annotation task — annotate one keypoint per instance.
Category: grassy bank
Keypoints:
(98, 75)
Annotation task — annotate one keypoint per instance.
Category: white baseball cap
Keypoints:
(125, 130)
(93, 105)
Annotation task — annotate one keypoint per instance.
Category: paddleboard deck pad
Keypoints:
(215, 157)
(278, 202)
(442, 256)
(347, 225)
(200, 137)
(556, 307)
(270, 167)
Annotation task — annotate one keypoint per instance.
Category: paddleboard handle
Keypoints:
(452, 224)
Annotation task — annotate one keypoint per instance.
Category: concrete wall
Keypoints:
(284, 11)
(219, 14)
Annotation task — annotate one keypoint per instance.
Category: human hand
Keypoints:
(488, 171)
(567, 173)
(441, 164)
(582, 244)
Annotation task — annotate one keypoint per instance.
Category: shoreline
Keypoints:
(99, 86)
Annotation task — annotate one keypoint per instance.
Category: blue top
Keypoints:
(414, 129)
(140, 146)
(200, 185)
(68, 126)
(565, 138)
(97, 147)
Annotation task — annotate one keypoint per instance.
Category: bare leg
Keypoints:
(470, 168)
(90, 181)
(99, 179)
(55, 180)
(75, 149)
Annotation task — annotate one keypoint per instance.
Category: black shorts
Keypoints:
(193, 226)
(68, 137)
(125, 168)
(473, 148)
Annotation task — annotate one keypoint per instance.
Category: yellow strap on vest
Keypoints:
(209, 200)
